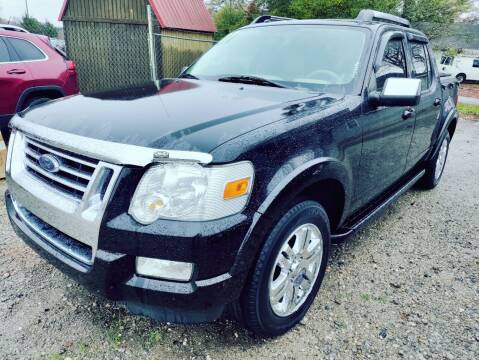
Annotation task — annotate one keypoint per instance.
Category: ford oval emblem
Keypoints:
(49, 163)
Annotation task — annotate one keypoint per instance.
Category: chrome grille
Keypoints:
(74, 174)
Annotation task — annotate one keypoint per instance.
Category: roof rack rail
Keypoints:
(372, 15)
(269, 18)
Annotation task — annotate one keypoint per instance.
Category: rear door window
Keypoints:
(475, 63)
(420, 64)
(25, 50)
(4, 55)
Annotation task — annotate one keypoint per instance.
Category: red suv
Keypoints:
(31, 72)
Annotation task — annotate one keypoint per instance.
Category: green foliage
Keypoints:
(152, 338)
(49, 30)
(432, 16)
(34, 26)
(228, 19)
(469, 109)
(303, 9)
(31, 24)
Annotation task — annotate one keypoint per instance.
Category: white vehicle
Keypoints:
(462, 67)
(13, 28)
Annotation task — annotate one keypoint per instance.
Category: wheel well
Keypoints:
(47, 93)
(330, 194)
(452, 128)
(465, 77)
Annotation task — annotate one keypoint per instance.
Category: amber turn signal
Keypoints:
(236, 188)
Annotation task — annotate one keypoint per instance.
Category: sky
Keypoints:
(41, 9)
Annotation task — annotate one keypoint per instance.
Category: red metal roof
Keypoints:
(176, 14)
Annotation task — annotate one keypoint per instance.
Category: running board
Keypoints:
(347, 232)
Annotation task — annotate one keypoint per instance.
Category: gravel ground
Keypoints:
(405, 287)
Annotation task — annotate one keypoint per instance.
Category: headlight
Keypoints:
(191, 192)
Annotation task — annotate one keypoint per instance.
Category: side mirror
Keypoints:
(398, 92)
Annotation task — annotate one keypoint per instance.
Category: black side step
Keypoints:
(376, 210)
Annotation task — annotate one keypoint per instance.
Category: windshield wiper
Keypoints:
(188, 76)
(249, 79)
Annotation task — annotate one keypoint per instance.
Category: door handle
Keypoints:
(16, 72)
(437, 102)
(408, 113)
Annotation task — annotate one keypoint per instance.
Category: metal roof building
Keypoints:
(108, 39)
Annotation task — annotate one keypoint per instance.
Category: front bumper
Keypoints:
(112, 275)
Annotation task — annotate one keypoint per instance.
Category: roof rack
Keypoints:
(269, 18)
(372, 15)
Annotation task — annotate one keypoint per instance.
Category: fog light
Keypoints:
(164, 269)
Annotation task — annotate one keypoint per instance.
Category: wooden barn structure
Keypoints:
(109, 39)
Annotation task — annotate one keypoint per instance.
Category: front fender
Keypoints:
(302, 174)
(290, 181)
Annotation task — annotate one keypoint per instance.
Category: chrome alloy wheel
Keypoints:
(295, 270)
(441, 159)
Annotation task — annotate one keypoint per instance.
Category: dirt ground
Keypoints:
(469, 90)
(405, 287)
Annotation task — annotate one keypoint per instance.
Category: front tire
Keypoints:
(435, 167)
(289, 271)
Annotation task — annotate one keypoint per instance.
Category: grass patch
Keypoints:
(115, 332)
(379, 299)
(469, 110)
(84, 351)
(152, 338)
(366, 297)
(52, 356)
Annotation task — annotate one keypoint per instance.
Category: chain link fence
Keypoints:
(113, 53)
(177, 52)
(108, 55)
(173, 50)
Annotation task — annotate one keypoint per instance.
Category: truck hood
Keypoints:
(193, 115)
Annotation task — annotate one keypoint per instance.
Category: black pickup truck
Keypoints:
(227, 185)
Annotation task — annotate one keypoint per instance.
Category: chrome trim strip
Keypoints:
(111, 152)
(49, 239)
(55, 178)
(46, 57)
(214, 280)
(59, 153)
(63, 168)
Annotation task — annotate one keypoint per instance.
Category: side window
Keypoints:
(475, 63)
(25, 50)
(393, 63)
(420, 64)
(4, 55)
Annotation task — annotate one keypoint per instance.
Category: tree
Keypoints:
(34, 26)
(434, 17)
(49, 30)
(228, 19)
(31, 24)
(276, 7)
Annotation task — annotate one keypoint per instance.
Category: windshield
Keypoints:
(313, 57)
